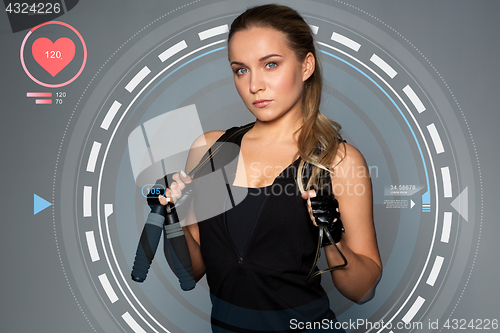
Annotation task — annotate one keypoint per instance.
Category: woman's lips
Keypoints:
(261, 103)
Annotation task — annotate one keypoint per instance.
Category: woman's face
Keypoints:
(267, 74)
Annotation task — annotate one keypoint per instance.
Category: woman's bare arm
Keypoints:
(190, 227)
(352, 188)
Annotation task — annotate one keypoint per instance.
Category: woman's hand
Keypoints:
(174, 192)
(351, 185)
(324, 210)
(306, 195)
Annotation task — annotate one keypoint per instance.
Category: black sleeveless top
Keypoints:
(241, 218)
(266, 287)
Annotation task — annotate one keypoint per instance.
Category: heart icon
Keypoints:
(53, 57)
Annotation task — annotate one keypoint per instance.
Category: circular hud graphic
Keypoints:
(391, 107)
(65, 57)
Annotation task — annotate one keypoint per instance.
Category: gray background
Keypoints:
(459, 38)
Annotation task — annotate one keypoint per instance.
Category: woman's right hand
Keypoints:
(174, 192)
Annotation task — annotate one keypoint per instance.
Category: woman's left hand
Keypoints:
(324, 210)
(306, 195)
(351, 185)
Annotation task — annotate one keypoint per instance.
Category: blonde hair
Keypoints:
(319, 136)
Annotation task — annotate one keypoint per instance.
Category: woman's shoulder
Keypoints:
(350, 171)
(200, 147)
(348, 155)
(208, 138)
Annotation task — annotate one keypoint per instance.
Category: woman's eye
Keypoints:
(241, 71)
(271, 65)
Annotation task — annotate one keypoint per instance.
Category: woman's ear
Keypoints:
(308, 66)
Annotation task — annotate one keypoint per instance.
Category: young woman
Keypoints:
(258, 255)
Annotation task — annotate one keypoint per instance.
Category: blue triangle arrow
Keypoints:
(39, 204)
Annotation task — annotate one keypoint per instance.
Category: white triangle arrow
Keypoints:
(412, 204)
(461, 204)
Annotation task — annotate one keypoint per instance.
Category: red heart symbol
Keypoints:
(53, 57)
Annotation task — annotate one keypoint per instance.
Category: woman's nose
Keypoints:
(256, 83)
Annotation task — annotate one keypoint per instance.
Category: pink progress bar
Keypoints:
(43, 101)
(36, 94)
